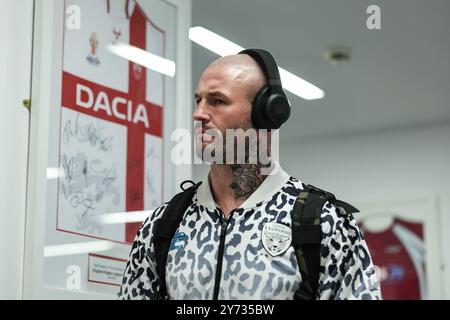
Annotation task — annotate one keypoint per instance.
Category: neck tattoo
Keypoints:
(246, 179)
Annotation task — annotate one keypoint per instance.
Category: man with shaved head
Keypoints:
(223, 100)
(249, 230)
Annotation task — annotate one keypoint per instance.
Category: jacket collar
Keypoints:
(272, 184)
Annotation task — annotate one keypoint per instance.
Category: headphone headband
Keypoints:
(270, 107)
(267, 63)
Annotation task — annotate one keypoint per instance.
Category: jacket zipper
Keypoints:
(223, 231)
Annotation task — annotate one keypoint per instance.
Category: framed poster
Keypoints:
(403, 239)
(111, 120)
(101, 145)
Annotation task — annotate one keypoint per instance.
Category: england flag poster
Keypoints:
(100, 146)
(111, 130)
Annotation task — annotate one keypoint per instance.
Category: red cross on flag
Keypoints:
(111, 132)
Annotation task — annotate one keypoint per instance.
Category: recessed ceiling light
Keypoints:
(337, 56)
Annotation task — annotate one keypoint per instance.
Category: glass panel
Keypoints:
(107, 141)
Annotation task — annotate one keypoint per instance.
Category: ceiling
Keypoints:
(398, 76)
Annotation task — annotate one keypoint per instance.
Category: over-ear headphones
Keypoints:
(270, 108)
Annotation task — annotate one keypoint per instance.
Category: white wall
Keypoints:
(15, 67)
(381, 165)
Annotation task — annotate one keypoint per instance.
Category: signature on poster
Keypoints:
(89, 184)
(152, 155)
(89, 133)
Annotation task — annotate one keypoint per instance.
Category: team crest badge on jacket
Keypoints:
(276, 238)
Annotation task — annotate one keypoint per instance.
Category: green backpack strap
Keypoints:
(307, 236)
(165, 229)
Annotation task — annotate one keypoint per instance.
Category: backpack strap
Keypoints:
(165, 228)
(307, 236)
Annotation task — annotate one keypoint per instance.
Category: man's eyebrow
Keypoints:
(213, 94)
(217, 94)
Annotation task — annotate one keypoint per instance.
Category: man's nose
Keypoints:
(201, 112)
